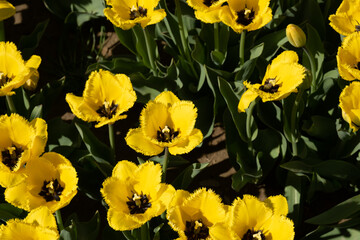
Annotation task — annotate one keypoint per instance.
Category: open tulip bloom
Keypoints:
(282, 77)
(20, 142)
(135, 194)
(166, 122)
(350, 105)
(207, 11)
(14, 71)
(38, 224)
(348, 57)
(247, 15)
(126, 14)
(105, 98)
(51, 181)
(346, 20)
(251, 218)
(199, 215)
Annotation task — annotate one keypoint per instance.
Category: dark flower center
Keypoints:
(253, 235)
(270, 86)
(138, 203)
(208, 3)
(196, 230)
(4, 79)
(139, 12)
(10, 156)
(166, 134)
(107, 110)
(245, 16)
(51, 190)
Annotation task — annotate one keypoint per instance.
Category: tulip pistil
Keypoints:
(270, 86)
(166, 134)
(253, 235)
(138, 203)
(196, 230)
(137, 12)
(245, 16)
(107, 110)
(11, 155)
(51, 190)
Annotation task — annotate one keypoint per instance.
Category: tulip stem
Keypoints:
(294, 117)
(149, 51)
(2, 31)
(183, 38)
(11, 104)
(249, 113)
(112, 137)
(313, 69)
(144, 231)
(165, 164)
(59, 220)
(216, 36)
(242, 47)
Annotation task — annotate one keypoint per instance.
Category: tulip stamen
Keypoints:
(51, 190)
(166, 134)
(4, 79)
(208, 3)
(253, 235)
(196, 230)
(136, 12)
(11, 156)
(138, 203)
(270, 86)
(107, 110)
(245, 16)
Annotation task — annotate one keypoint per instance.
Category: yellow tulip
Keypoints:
(247, 15)
(166, 122)
(39, 224)
(135, 194)
(105, 98)
(126, 14)
(282, 77)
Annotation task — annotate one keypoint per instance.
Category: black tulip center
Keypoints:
(196, 230)
(138, 12)
(245, 16)
(138, 203)
(208, 3)
(270, 86)
(51, 190)
(253, 235)
(166, 134)
(11, 156)
(107, 110)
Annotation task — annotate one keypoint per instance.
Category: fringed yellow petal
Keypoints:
(245, 100)
(167, 98)
(41, 216)
(137, 141)
(278, 204)
(188, 144)
(183, 116)
(350, 104)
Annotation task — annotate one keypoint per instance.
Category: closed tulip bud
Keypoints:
(295, 35)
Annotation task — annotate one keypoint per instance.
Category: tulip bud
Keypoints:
(295, 35)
